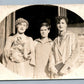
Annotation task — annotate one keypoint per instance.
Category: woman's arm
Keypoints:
(7, 47)
(6, 52)
(32, 56)
(52, 67)
(70, 63)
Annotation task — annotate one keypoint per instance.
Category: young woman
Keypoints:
(42, 50)
(65, 49)
(19, 51)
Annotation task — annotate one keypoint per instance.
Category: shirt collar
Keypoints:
(39, 40)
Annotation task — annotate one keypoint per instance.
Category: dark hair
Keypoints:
(45, 24)
(58, 18)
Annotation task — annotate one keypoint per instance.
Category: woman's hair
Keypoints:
(20, 20)
(58, 18)
(45, 24)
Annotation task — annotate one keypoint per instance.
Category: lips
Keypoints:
(60, 27)
(21, 29)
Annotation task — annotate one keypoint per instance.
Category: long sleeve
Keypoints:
(6, 50)
(32, 52)
(70, 63)
(52, 61)
(8, 46)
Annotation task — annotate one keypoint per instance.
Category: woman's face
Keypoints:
(44, 31)
(62, 25)
(21, 28)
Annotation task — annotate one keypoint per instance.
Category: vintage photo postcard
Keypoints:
(39, 42)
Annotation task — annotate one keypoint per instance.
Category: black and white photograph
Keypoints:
(40, 42)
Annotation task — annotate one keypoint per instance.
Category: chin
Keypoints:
(61, 30)
(21, 32)
(43, 36)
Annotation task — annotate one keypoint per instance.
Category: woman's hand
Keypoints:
(54, 70)
(17, 57)
(27, 56)
(61, 74)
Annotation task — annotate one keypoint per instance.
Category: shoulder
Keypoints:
(50, 41)
(73, 37)
(70, 34)
(36, 41)
(29, 38)
(10, 38)
(55, 40)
